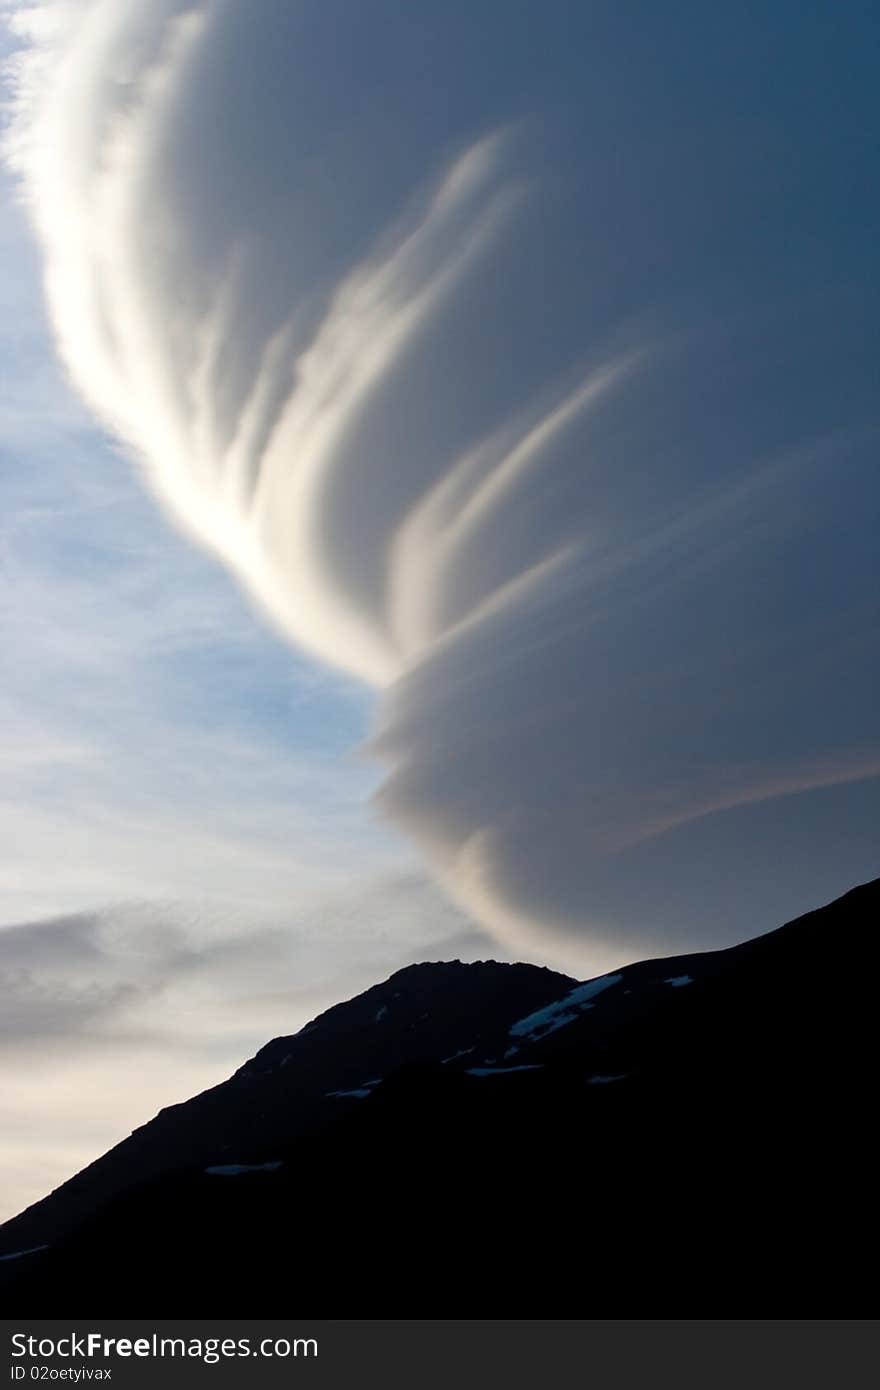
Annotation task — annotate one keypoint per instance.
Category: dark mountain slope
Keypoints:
(293, 1084)
(685, 1137)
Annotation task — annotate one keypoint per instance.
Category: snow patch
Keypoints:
(502, 1071)
(606, 1080)
(678, 980)
(357, 1092)
(381, 1013)
(235, 1170)
(20, 1254)
(564, 1011)
(465, 1051)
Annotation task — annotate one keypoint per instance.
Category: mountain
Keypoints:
(682, 1137)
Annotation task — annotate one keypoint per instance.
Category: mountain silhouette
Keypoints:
(682, 1137)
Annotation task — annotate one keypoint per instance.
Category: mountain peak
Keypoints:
(702, 1102)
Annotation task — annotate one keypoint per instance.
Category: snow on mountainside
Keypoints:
(296, 1084)
(697, 1127)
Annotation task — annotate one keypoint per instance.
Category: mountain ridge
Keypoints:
(484, 1097)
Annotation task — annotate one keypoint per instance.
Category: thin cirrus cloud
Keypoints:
(155, 742)
(523, 370)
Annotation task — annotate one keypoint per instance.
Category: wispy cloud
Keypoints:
(539, 395)
(154, 738)
(188, 863)
(109, 1015)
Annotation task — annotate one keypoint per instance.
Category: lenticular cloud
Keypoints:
(519, 361)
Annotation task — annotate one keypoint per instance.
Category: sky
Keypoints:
(189, 863)
(441, 501)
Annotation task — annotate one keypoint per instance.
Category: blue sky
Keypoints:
(497, 397)
(143, 681)
(176, 782)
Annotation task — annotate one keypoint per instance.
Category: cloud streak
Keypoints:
(105, 1016)
(525, 376)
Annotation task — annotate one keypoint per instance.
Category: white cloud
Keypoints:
(185, 833)
(511, 392)
(154, 740)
